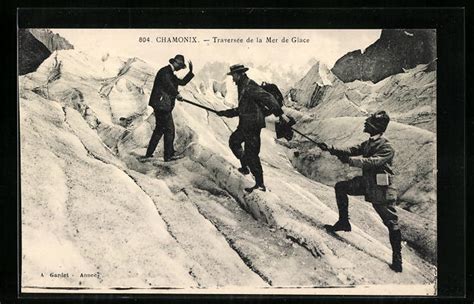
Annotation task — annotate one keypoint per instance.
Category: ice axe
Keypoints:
(199, 105)
(205, 108)
(285, 129)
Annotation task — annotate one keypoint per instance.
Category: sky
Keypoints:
(151, 44)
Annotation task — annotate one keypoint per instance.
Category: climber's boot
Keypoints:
(343, 223)
(256, 187)
(340, 225)
(396, 242)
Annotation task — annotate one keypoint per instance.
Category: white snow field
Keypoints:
(96, 218)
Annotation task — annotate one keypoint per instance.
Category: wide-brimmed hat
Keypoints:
(179, 59)
(379, 121)
(237, 68)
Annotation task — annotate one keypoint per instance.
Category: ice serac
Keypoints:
(310, 90)
(213, 75)
(87, 191)
(31, 52)
(281, 74)
(394, 51)
(52, 41)
(409, 97)
(210, 77)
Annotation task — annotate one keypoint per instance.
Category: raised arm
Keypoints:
(189, 75)
(186, 79)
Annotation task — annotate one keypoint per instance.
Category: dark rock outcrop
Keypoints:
(31, 52)
(394, 51)
(51, 40)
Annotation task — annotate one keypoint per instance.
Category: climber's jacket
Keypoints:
(374, 157)
(253, 100)
(165, 89)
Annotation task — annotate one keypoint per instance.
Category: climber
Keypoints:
(376, 183)
(253, 101)
(162, 100)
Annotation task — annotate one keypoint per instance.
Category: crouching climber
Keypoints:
(375, 159)
(253, 102)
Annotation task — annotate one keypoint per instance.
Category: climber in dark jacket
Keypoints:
(162, 100)
(252, 100)
(375, 157)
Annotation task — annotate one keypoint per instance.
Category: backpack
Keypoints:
(272, 89)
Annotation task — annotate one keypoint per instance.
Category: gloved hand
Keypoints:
(190, 66)
(179, 97)
(224, 113)
(343, 158)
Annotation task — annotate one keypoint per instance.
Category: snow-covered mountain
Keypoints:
(410, 97)
(89, 205)
(213, 75)
(309, 90)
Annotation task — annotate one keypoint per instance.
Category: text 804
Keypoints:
(143, 39)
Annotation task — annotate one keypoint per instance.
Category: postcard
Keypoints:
(228, 161)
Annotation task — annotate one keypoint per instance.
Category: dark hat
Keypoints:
(379, 121)
(179, 59)
(237, 68)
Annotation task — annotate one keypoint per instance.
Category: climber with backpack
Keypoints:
(254, 103)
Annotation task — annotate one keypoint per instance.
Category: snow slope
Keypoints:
(91, 206)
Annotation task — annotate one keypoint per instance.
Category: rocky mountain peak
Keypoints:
(394, 51)
(35, 45)
(31, 52)
(51, 40)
